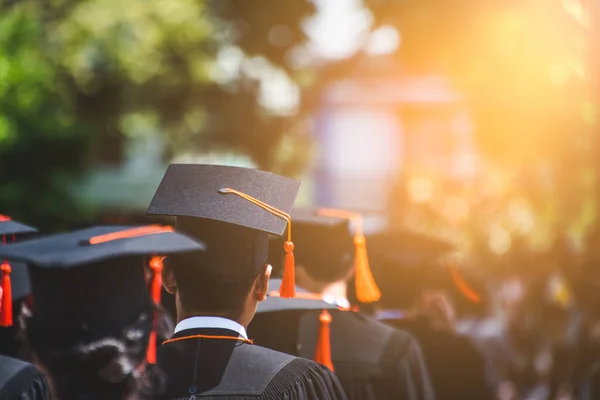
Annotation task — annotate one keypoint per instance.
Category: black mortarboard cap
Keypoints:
(90, 283)
(14, 276)
(8, 227)
(329, 249)
(406, 262)
(234, 228)
(408, 249)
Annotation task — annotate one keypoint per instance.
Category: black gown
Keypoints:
(371, 359)
(21, 381)
(456, 367)
(229, 369)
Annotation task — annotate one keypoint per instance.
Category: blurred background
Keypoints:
(471, 121)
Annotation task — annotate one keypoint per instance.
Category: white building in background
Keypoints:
(375, 123)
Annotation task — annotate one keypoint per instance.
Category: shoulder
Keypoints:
(18, 378)
(11, 367)
(377, 335)
(305, 379)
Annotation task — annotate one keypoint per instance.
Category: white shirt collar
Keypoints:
(211, 322)
(337, 301)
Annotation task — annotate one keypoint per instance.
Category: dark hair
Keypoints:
(106, 368)
(204, 290)
(327, 271)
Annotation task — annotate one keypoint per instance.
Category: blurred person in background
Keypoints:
(20, 380)
(232, 210)
(371, 360)
(92, 328)
(419, 296)
(17, 277)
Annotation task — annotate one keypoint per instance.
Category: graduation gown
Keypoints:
(21, 381)
(229, 369)
(456, 367)
(371, 359)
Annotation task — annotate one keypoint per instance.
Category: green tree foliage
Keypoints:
(78, 76)
(41, 141)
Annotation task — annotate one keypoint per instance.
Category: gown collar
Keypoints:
(211, 322)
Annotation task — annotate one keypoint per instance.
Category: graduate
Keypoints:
(216, 292)
(421, 294)
(92, 328)
(371, 359)
(22, 381)
(14, 282)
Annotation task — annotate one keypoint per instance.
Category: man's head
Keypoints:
(232, 210)
(202, 291)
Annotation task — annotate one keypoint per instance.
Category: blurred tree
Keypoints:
(41, 142)
(524, 69)
(88, 73)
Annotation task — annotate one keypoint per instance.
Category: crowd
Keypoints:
(247, 297)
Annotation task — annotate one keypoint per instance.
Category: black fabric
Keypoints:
(10, 227)
(21, 381)
(456, 367)
(19, 280)
(98, 300)
(371, 360)
(226, 369)
(192, 190)
(72, 249)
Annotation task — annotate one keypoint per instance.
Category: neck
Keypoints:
(181, 315)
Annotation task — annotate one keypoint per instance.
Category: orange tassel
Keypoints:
(288, 283)
(367, 290)
(463, 286)
(6, 308)
(287, 289)
(151, 352)
(323, 350)
(366, 287)
(156, 265)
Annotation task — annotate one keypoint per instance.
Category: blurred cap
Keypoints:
(10, 227)
(14, 278)
(90, 283)
(406, 263)
(231, 209)
(407, 249)
(321, 243)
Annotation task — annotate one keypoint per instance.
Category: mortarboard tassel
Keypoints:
(367, 290)
(463, 286)
(323, 350)
(288, 283)
(6, 308)
(156, 266)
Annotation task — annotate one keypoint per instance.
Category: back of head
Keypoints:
(323, 246)
(206, 291)
(94, 349)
